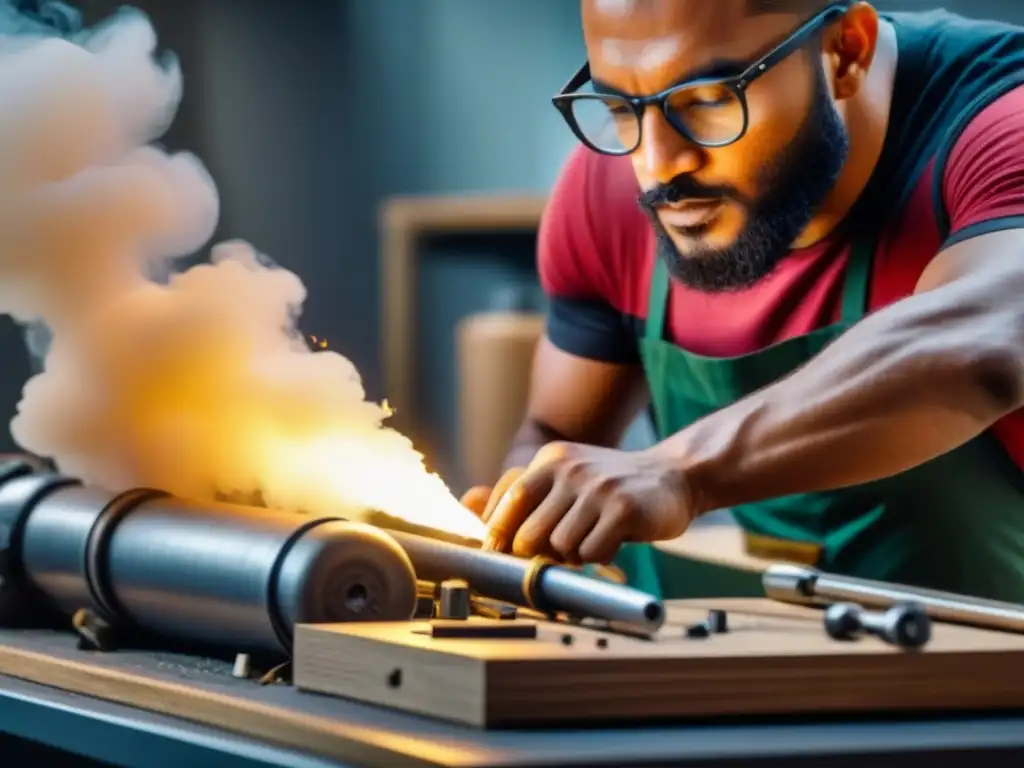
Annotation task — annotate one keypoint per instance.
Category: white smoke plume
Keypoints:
(201, 384)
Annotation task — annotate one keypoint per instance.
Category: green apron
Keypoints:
(955, 523)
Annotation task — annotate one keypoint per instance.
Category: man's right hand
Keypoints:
(482, 500)
(571, 399)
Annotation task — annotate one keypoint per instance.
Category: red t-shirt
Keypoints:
(597, 252)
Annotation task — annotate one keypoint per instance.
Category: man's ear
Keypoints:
(849, 48)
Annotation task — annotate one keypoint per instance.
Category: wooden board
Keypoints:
(775, 660)
(718, 544)
(724, 543)
(202, 690)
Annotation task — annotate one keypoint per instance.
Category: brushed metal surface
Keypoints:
(225, 575)
(804, 585)
(503, 577)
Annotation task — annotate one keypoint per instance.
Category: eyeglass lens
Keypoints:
(707, 113)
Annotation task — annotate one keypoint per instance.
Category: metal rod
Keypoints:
(803, 585)
(555, 589)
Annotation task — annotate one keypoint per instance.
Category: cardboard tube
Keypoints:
(495, 355)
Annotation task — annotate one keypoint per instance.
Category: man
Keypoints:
(822, 289)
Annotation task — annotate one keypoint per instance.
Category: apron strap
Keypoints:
(657, 301)
(857, 282)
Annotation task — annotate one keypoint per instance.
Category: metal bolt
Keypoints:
(454, 602)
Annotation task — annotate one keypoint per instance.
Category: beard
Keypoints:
(790, 190)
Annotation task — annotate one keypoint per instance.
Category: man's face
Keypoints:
(724, 216)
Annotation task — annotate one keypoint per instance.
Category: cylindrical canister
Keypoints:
(495, 358)
(217, 574)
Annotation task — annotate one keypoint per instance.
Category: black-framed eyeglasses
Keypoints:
(710, 112)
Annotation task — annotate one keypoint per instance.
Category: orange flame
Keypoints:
(364, 469)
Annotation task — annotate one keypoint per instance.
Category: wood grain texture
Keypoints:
(776, 660)
(977, 666)
(201, 694)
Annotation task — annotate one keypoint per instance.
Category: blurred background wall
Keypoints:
(311, 113)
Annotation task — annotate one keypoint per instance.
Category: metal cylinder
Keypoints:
(454, 600)
(213, 574)
(790, 583)
(547, 588)
(803, 585)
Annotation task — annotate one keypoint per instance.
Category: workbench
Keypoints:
(261, 725)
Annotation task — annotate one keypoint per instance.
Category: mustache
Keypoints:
(684, 188)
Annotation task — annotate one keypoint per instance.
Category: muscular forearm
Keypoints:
(907, 384)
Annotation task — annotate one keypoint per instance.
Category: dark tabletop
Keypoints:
(127, 736)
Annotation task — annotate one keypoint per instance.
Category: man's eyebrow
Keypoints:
(716, 68)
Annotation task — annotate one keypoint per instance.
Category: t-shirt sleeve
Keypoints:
(983, 183)
(577, 267)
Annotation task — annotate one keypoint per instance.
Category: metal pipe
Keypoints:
(548, 588)
(242, 577)
(803, 585)
(212, 574)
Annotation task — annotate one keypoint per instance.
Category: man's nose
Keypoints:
(666, 153)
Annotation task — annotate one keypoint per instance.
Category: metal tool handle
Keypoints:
(551, 588)
(803, 585)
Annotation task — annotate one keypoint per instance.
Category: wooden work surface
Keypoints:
(775, 660)
(203, 691)
(719, 544)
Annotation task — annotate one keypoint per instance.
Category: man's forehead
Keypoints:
(648, 36)
(643, 19)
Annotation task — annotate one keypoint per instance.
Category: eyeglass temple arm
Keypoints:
(578, 80)
(582, 75)
(812, 25)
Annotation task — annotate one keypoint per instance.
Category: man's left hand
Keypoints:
(579, 504)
